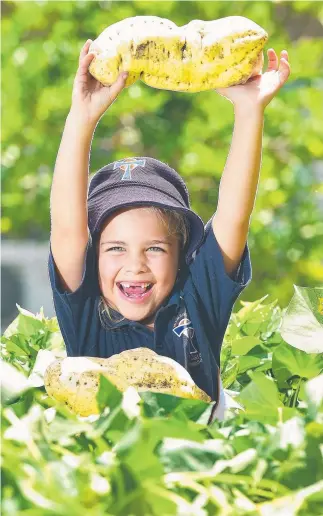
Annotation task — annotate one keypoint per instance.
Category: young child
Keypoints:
(130, 264)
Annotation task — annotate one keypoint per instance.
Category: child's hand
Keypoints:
(89, 95)
(259, 90)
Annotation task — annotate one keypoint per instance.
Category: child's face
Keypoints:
(135, 249)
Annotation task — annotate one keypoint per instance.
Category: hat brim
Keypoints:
(139, 195)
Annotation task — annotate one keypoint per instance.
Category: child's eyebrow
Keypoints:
(119, 242)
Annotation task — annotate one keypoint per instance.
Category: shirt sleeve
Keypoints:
(216, 290)
(74, 310)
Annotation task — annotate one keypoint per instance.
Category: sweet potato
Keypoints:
(199, 56)
(75, 380)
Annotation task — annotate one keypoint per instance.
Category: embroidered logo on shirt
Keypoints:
(127, 165)
(184, 330)
(184, 326)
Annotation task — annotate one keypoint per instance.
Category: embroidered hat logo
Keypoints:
(127, 165)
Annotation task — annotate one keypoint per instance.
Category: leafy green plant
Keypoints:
(151, 453)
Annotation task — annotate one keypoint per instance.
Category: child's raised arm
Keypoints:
(68, 200)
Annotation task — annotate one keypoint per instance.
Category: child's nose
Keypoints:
(136, 264)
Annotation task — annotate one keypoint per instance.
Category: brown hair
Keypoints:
(177, 225)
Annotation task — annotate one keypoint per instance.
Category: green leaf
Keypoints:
(16, 344)
(159, 404)
(229, 375)
(226, 350)
(242, 440)
(289, 361)
(254, 317)
(159, 499)
(243, 345)
(28, 323)
(291, 504)
(261, 400)
(61, 428)
(112, 424)
(129, 440)
(248, 362)
(185, 455)
(108, 395)
(302, 325)
(137, 446)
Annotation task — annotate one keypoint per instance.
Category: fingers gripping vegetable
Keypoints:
(75, 380)
(199, 56)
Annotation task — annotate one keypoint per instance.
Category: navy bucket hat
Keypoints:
(141, 181)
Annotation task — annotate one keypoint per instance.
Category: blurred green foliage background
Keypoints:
(41, 41)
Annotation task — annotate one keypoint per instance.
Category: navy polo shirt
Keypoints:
(189, 325)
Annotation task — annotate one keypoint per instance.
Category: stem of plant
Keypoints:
(297, 391)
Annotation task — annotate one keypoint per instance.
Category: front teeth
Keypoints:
(128, 285)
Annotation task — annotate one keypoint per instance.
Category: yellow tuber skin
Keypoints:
(75, 380)
(199, 56)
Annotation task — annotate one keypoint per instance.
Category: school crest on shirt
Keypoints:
(184, 330)
(128, 165)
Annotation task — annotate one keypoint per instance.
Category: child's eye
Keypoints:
(118, 248)
(158, 248)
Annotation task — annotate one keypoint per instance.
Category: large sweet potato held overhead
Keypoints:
(199, 56)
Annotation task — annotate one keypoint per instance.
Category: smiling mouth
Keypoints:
(134, 289)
